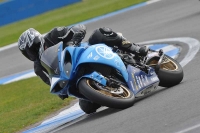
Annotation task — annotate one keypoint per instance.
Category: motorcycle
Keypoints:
(108, 76)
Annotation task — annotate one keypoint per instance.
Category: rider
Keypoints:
(31, 43)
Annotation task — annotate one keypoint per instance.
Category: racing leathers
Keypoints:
(69, 36)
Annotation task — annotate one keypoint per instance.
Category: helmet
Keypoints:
(29, 43)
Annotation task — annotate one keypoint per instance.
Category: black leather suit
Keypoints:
(53, 37)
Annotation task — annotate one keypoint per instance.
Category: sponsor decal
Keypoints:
(136, 87)
(146, 79)
(90, 55)
(131, 84)
(154, 79)
(117, 63)
(151, 72)
(143, 80)
(138, 82)
(105, 52)
(96, 57)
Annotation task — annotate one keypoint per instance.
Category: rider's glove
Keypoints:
(79, 32)
(78, 37)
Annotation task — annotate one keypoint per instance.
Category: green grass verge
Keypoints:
(26, 102)
(62, 17)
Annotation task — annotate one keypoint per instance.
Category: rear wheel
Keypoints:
(119, 97)
(170, 72)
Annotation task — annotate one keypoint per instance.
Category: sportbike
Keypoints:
(108, 76)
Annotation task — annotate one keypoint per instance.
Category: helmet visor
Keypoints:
(31, 55)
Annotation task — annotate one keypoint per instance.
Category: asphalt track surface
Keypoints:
(168, 110)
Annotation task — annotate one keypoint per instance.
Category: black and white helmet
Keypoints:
(29, 43)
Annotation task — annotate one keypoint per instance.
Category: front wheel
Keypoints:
(120, 97)
(170, 72)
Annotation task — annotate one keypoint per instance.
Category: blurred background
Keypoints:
(15, 10)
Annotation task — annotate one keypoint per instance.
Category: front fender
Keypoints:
(94, 76)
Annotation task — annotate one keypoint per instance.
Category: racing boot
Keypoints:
(62, 96)
(88, 107)
(139, 50)
(133, 48)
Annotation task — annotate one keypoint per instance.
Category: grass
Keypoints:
(62, 17)
(26, 102)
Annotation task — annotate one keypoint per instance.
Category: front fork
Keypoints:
(161, 54)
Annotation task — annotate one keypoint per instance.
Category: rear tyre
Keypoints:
(170, 72)
(99, 94)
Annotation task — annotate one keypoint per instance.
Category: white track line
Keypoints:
(168, 48)
(189, 129)
(192, 43)
(25, 76)
(152, 1)
(8, 47)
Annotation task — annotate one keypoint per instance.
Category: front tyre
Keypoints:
(101, 95)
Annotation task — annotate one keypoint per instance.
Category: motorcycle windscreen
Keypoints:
(49, 60)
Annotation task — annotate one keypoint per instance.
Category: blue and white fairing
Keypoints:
(69, 60)
(142, 83)
(99, 53)
(67, 68)
(102, 54)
